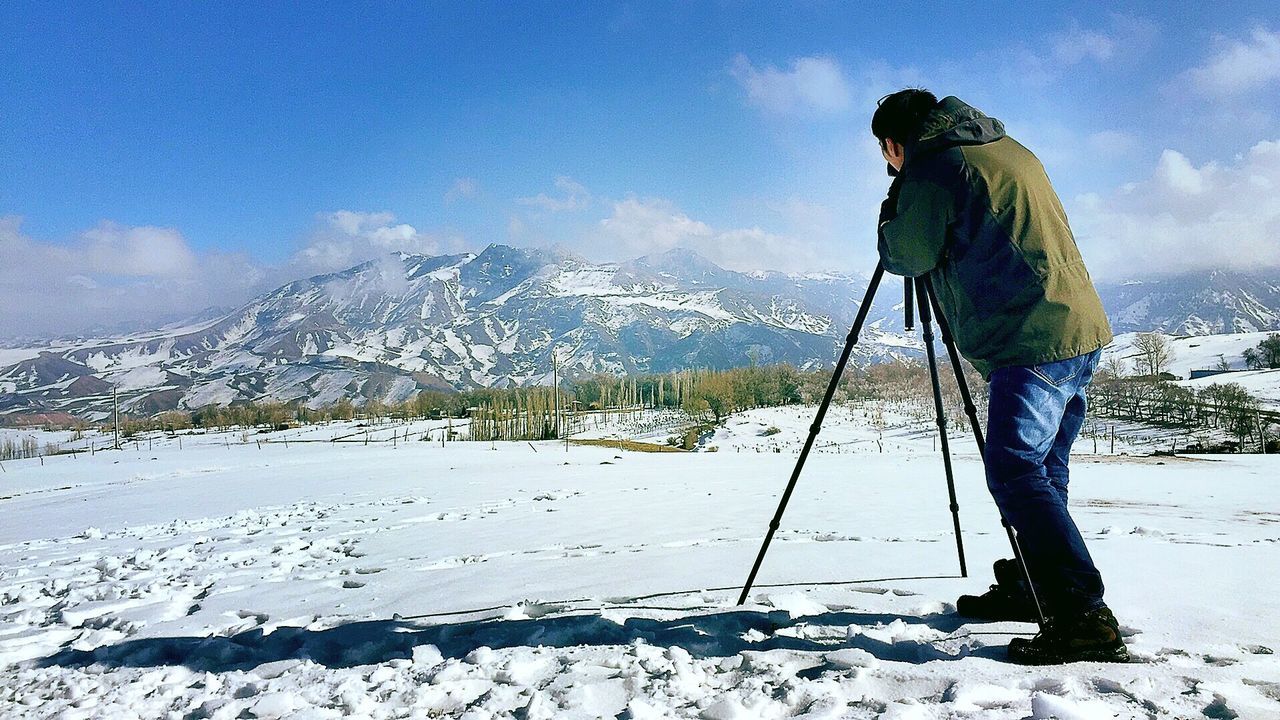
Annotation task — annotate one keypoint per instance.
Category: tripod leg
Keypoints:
(971, 410)
(927, 327)
(817, 425)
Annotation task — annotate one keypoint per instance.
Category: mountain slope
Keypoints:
(1196, 304)
(390, 327)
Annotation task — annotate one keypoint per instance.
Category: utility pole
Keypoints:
(555, 389)
(115, 404)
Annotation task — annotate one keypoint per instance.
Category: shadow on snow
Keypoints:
(376, 641)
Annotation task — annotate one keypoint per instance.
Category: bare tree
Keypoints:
(1112, 368)
(1154, 353)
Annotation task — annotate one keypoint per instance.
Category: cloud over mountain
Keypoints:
(1187, 217)
(112, 275)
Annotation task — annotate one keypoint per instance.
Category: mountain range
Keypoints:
(392, 326)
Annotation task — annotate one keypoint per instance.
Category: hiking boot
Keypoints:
(1093, 636)
(1009, 574)
(1008, 599)
(998, 603)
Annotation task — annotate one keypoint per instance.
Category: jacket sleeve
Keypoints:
(911, 243)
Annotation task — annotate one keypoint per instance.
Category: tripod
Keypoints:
(918, 292)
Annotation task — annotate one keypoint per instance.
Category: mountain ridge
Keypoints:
(393, 325)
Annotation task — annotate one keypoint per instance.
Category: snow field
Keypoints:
(323, 579)
(1202, 352)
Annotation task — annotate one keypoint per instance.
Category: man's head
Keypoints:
(899, 120)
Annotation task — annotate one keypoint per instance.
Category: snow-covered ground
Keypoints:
(1204, 352)
(1192, 352)
(230, 578)
(1262, 384)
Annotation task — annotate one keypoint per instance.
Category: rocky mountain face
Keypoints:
(390, 327)
(1210, 303)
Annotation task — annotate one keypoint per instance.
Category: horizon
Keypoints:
(162, 162)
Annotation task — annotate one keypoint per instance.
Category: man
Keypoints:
(974, 211)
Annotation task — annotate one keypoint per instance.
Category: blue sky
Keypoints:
(203, 152)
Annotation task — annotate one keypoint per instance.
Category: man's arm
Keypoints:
(912, 238)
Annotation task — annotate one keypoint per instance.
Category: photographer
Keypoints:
(974, 210)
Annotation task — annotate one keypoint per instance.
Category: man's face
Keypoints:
(893, 152)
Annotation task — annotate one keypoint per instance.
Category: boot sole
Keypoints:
(1107, 655)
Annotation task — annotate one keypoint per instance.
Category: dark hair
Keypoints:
(901, 115)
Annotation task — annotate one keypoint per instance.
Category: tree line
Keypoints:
(1219, 406)
(708, 396)
(705, 395)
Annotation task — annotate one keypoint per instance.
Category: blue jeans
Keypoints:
(1034, 414)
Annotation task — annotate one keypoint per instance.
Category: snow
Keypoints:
(402, 578)
(214, 392)
(41, 436)
(138, 378)
(1193, 352)
(592, 280)
(701, 303)
(132, 359)
(12, 356)
(357, 351)
(1202, 352)
(1262, 384)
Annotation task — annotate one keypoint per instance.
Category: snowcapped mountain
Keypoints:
(398, 324)
(389, 327)
(1195, 304)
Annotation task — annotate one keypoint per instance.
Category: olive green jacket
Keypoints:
(976, 213)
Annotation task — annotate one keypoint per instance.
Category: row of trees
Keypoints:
(708, 396)
(714, 393)
(527, 414)
(909, 381)
(1220, 406)
(705, 395)
(26, 446)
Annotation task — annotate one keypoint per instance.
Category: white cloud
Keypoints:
(138, 251)
(1043, 61)
(1119, 38)
(1239, 65)
(811, 86)
(1111, 142)
(1185, 218)
(573, 197)
(348, 237)
(462, 189)
(1175, 174)
(111, 275)
(811, 219)
(639, 227)
(1078, 44)
(646, 226)
(515, 228)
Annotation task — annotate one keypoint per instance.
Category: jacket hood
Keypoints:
(953, 123)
